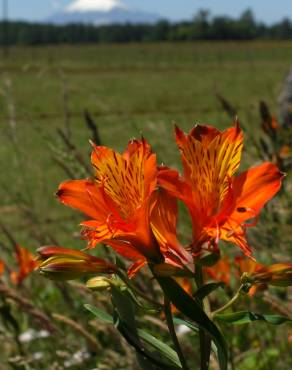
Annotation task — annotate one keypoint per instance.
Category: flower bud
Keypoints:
(98, 283)
(279, 274)
(58, 263)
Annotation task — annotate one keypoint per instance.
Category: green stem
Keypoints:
(205, 341)
(171, 328)
(230, 303)
(138, 291)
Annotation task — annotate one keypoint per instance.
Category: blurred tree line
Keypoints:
(201, 27)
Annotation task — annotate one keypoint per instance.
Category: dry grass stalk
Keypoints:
(72, 148)
(90, 339)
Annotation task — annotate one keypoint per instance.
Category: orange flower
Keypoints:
(26, 264)
(2, 267)
(67, 264)
(124, 206)
(219, 202)
(220, 271)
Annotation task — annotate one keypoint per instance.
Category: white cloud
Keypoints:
(94, 5)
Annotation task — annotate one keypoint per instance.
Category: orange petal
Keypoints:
(203, 133)
(85, 196)
(220, 271)
(133, 269)
(125, 249)
(253, 189)
(170, 180)
(246, 264)
(127, 180)
(211, 165)
(236, 235)
(54, 251)
(134, 146)
(163, 222)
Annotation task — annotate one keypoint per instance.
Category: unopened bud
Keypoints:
(98, 283)
(58, 263)
(279, 274)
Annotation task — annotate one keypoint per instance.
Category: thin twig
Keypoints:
(93, 128)
(65, 97)
(92, 342)
(73, 150)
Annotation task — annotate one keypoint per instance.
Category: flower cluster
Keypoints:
(131, 204)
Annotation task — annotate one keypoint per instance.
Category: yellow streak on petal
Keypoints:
(212, 166)
(126, 179)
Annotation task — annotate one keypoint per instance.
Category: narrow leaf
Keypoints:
(191, 309)
(100, 314)
(125, 322)
(163, 348)
(134, 341)
(192, 326)
(245, 317)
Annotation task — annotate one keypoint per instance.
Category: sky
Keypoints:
(265, 10)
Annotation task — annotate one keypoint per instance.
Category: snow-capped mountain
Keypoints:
(100, 12)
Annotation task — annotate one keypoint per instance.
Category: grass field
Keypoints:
(128, 90)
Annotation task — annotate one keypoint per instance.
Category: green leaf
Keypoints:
(153, 358)
(155, 343)
(179, 321)
(192, 310)
(207, 289)
(245, 317)
(125, 322)
(100, 314)
(163, 348)
(134, 335)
